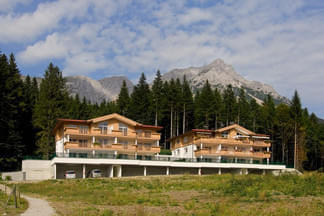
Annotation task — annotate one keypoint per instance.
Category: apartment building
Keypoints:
(232, 144)
(110, 136)
(118, 146)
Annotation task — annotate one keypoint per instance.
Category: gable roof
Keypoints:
(115, 116)
(238, 128)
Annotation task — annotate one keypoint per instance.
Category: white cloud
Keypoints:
(8, 5)
(276, 42)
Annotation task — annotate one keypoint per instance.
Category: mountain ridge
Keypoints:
(220, 75)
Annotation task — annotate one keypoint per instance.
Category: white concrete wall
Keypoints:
(185, 152)
(37, 169)
(15, 176)
(60, 146)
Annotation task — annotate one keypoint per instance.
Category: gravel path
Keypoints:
(36, 207)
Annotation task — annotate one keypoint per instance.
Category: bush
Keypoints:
(8, 178)
(320, 170)
(0, 176)
(165, 152)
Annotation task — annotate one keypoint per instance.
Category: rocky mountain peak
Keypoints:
(219, 74)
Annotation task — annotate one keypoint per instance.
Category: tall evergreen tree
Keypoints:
(242, 109)
(123, 100)
(12, 104)
(218, 108)
(157, 97)
(188, 106)
(229, 104)
(48, 108)
(141, 102)
(296, 114)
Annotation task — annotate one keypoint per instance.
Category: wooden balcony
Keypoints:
(223, 141)
(227, 141)
(122, 148)
(261, 144)
(238, 154)
(147, 136)
(148, 150)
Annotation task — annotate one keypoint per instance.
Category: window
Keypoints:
(139, 133)
(123, 128)
(83, 143)
(83, 129)
(225, 135)
(147, 134)
(140, 146)
(103, 126)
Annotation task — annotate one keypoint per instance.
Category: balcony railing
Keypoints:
(159, 158)
(120, 147)
(207, 152)
(229, 141)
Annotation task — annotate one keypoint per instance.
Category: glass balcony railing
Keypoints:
(161, 158)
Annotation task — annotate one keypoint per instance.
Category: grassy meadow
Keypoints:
(185, 195)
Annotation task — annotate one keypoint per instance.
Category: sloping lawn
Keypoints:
(186, 195)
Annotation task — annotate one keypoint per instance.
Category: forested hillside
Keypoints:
(28, 114)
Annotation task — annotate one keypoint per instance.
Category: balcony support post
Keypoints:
(246, 171)
(135, 141)
(219, 171)
(235, 160)
(167, 171)
(93, 153)
(268, 161)
(267, 149)
(111, 171)
(199, 171)
(119, 174)
(115, 140)
(93, 139)
(145, 171)
(54, 171)
(83, 171)
(251, 161)
(241, 171)
(157, 143)
(263, 172)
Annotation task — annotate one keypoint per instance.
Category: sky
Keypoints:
(278, 42)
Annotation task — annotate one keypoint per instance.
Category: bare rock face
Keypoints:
(219, 74)
(96, 90)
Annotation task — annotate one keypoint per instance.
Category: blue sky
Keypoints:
(278, 42)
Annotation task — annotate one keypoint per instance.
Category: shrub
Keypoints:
(8, 178)
(165, 152)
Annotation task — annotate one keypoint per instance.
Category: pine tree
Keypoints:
(242, 109)
(157, 97)
(188, 106)
(218, 107)
(229, 104)
(12, 112)
(48, 108)
(296, 114)
(123, 100)
(140, 105)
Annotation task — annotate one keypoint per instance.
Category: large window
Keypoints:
(123, 128)
(83, 143)
(103, 126)
(148, 134)
(83, 129)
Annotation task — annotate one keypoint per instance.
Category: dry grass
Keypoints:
(186, 195)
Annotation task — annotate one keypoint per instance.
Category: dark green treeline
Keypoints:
(29, 112)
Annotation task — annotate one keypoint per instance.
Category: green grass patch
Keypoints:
(186, 195)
